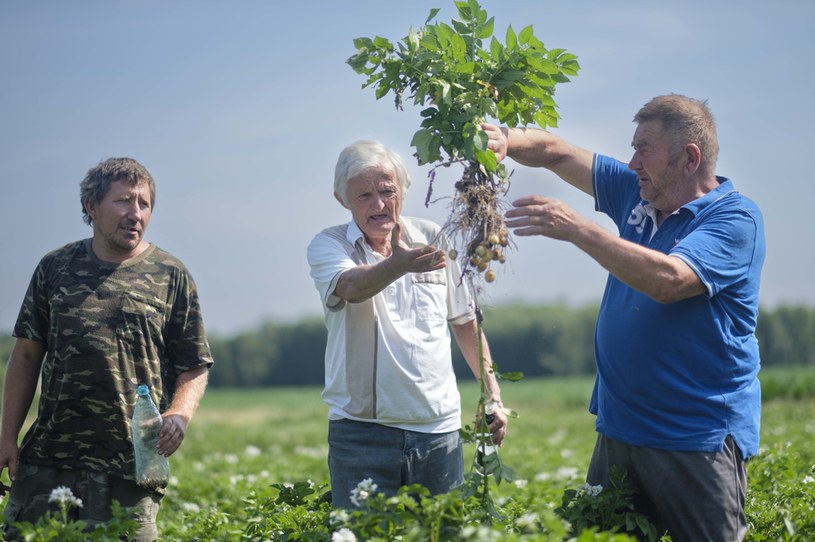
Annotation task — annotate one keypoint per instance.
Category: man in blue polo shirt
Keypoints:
(677, 396)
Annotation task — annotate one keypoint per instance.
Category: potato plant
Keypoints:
(463, 75)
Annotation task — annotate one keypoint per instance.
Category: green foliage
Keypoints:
(787, 335)
(58, 527)
(464, 79)
(787, 382)
(536, 340)
(606, 508)
(461, 80)
(243, 472)
(781, 496)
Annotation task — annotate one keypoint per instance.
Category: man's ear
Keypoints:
(90, 208)
(342, 202)
(693, 158)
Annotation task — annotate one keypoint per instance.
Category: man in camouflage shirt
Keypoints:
(100, 317)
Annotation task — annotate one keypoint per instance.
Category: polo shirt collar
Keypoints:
(696, 206)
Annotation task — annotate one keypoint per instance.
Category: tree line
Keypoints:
(537, 340)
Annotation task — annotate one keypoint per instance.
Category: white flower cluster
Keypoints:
(590, 490)
(64, 497)
(338, 517)
(364, 489)
(344, 535)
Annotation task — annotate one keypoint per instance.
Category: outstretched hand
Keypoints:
(539, 215)
(414, 260)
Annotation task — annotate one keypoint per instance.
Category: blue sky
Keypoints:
(239, 110)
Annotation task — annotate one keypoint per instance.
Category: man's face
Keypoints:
(120, 220)
(657, 166)
(375, 199)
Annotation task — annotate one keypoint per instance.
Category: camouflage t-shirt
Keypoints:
(106, 328)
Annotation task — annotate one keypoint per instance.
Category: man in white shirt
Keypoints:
(389, 293)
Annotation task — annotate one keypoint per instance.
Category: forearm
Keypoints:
(22, 374)
(189, 390)
(539, 148)
(467, 337)
(365, 281)
(664, 278)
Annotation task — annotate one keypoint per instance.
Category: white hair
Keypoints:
(366, 154)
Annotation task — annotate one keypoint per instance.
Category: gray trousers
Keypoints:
(695, 496)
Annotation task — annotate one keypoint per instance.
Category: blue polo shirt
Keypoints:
(681, 376)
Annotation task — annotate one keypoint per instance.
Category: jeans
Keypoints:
(391, 458)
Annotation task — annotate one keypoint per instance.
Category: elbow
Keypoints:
(672, 291)
(665, 297)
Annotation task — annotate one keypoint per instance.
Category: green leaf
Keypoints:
(443, 34)
(433, 13)
(383, 43)
(512, 376)
(525, 35)
(362, 43)
(487, 159)
(485, 30)
(458, 47)
(427, 146)
(512, 39)
(496, 49)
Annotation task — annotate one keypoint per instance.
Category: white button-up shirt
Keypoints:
(388, 358)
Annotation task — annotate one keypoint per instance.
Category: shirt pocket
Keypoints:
(430, 296)
(141, 316)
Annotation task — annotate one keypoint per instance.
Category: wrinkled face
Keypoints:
(120, 220)
(659, 175)
(375, 199)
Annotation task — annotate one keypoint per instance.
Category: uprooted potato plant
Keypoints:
(463, 75)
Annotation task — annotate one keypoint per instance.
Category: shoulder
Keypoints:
(728, 200)
(159, 262)
(339, 232)
(66, 255)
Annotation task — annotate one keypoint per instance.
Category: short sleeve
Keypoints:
(722, 249)
(327, 259)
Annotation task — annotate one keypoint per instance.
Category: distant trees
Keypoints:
(538, 340)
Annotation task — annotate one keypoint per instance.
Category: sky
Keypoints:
(239, 110)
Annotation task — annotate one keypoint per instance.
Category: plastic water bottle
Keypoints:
(152, 468)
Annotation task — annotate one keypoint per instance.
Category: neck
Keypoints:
(117, 257)
(382, 246)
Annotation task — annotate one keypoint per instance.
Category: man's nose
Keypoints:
(635, 163)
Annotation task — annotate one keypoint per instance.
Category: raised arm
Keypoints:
(365, 281)
(538, 148)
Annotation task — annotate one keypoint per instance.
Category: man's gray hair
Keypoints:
(366, 154)
(686, 120)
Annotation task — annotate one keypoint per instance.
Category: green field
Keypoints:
(241, 442)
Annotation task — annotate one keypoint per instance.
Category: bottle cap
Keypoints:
(143, 389)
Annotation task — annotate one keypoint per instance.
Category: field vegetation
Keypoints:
(253, 467)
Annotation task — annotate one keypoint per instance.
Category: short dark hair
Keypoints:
(97, 182)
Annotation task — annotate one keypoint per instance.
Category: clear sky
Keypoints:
(240, 108)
